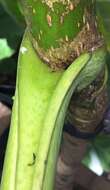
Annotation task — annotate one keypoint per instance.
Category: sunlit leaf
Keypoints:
(5, 50)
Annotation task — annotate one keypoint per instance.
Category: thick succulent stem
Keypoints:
(61, 30)
(71, 154)
(37, 121)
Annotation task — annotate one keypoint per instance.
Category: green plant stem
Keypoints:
(60, 30)
(37, 121)
(42, 96)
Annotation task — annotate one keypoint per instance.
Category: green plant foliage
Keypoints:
(9, 29)
(13, 9)
(10, 35)
(102, 147)
(44, 94)
(103, 12)
(5, 50)
(101, 144)
(41, 100)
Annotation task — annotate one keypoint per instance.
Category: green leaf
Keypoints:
(13, 9)
(5, 50)
(12, 32)
(9, 29)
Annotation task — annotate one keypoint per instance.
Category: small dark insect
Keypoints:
(34, 160)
